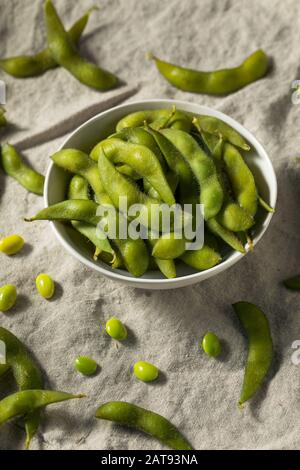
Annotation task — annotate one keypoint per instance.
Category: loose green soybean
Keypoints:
(218, 82)
(65, 54)
(14, 166)
(26, 373)
(25, 66)
(116, 329)
(211, 344)
(11, 244)
(145, 371)
(144, 420)
(8, 297)
(85, 365)
(27, 401)
(293, 283)
(260, 352)
(45, 285)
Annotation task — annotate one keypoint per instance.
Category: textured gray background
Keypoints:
(198, 394)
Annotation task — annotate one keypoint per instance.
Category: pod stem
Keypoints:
(168, 119)
(265, 205)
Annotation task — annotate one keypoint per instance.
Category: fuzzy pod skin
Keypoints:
(14, 166)
(204, 169)
(26, 373)
(144, 420)
(260, 347)
(26, 66)
(28, 401)
(66, 55)
(218, 82)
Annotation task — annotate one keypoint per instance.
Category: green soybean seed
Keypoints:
(145, 371)
(85, 365)
(11, 244)
(116, 329)
(8, 297)
(45, 285)
(211, 344)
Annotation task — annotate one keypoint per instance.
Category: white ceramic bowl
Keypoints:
(99, 127)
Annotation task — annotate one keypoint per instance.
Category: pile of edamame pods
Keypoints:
(154, 157)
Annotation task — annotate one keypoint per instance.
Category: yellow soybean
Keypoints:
(11, 244)
(45, 285)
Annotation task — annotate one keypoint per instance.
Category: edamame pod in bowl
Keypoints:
(153, 154)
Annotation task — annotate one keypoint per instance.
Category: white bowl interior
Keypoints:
(102, 125)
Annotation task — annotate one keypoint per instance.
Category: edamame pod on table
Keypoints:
(260, 352)
(218, 82)
(28, 401)
(26, 373)
(14, 166)
(204, 169)
(133, 252)
(144, 420)
(25, 66)
(65, 54)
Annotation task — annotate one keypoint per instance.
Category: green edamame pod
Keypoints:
(141, 159)
(79, 189)
(29, 401)
(210, 125)
(14, 166)
(25, 66)
(204, 258)
(226, 235)
(167, 246)
(144, 420)
(156, 118)
(218, 82)
(241, 179)
(204, 169)
(133, 252)
(260, 353)
(188, 190)
(139, 135)
(65, 54)
(26, 374)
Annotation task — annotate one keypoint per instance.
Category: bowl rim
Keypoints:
(189, 278)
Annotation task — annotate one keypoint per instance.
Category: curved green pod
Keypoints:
(204, 169)
(66, 55)
(217, 82)
(28, 401)
(14, 166)
(260, 347)
(26, 66)
(144, 420)
(26, 373)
